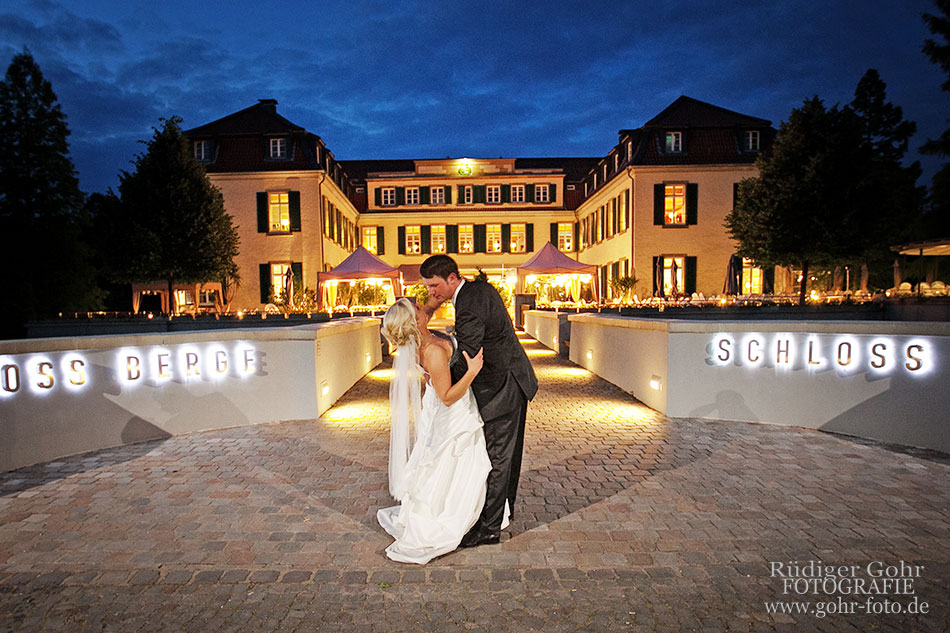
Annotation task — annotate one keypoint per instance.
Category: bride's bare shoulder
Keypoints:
(439, 350)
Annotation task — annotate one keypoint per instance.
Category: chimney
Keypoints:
(268, 104)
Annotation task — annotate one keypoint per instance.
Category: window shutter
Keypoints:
(626, 208)
(451, 235)
(461, 192)
(448, 194)
(689, 276)
(552, 193)
(554, 233)
(338, 233)
(603, 281)
(615, 270)
(400, 195)
(768, 280)
(505, 238)
(657, 283)
(297, 269)
(479, 238)
(529, 237)
(577, 236)
(659, 204)
(425, 233)
(378, 195)
(692, 198)
(529, 193)
(402, 240)
(293, 198)
(424, 195)
(506, 193)
(265, 283)
(478, 193)
(380, 241)
(262, 219)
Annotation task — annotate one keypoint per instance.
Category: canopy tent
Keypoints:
(188, 298)
(550, 261)
(360, 265)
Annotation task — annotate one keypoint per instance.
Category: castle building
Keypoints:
(652, 208)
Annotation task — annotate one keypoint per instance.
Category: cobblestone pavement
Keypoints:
(626, 521)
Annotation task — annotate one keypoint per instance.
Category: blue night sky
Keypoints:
(482, 79)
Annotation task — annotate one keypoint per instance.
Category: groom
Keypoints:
(502, 388)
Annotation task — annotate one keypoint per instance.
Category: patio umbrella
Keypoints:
(289, 286)
(658, 277)
(674, 287)
(733, 276)
(898, 274)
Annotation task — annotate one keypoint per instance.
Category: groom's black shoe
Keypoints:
(476, 538)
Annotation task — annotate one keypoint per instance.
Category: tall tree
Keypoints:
(46, 264)
(178, 229)
(937, 220)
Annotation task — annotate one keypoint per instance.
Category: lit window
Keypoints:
(674, 142)
(541, 193)
(622, 206)
(203, 151)
(369, 239)
(437, 235)
(278, 148)
(413, 240)
(278, 281)
(412, 195)
(389, 196)
(207, 297)
(517, 193)
(278, 208)
(466, 238)
(751, 278)
(751, 141)
(675, 205)
(565, 236)
(494, 194)
(518, 243)
(468, 194)
(493, 235)
(437, 195)
(673, 275)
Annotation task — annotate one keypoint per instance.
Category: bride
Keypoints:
(440, 483)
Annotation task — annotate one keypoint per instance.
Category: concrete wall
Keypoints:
(551, 329)
(62, 396)
(883, 381)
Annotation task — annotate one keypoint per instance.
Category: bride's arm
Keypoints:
(436, 362)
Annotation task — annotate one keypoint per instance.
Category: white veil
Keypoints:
(405, 404)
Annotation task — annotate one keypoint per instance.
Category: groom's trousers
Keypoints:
(504, 438)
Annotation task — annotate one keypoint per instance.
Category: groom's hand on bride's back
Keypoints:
(474, 362)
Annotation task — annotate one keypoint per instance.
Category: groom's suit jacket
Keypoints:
(482, 322)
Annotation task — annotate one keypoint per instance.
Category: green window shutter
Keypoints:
(505, 238)
(265, 283)
(506, 193)
(657, 281)
(339, 226)
(554, 233)
(425, 233)
(262, 219)
(402, 240)
(626, 208)
(478, 194)
(378, 195)
(293, 198)
(659, 204)
(615, 270)
(689, 276)
(380, 241)
(448, 194)
(400, 195)
(692, 199)
(603, 281)
(552, 193)
(424, 195)
(451, 235)
(479, 235)
(577, 236)
(529, 237)
(529, 193)
(297, 269)
(461, 191)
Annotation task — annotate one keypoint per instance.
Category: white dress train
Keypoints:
(447, 471)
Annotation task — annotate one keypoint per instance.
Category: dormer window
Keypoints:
(203, 151)
(278, 148)
(751, 141)
(674, 142)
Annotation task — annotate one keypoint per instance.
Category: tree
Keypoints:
(178, 229)
(936, 223)
(48, 269)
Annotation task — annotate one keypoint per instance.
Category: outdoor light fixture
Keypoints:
(590, 354)
(656, 383)
(324, 388)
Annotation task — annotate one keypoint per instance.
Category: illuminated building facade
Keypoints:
(652, 208)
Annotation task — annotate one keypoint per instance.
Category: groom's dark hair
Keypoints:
(439, 266)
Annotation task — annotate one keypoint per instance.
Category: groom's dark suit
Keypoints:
(502, 389)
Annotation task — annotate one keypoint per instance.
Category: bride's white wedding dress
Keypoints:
(445, 486)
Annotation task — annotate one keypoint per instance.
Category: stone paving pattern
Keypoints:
(626, 521)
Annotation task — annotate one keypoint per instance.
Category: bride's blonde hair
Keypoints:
(399, 323)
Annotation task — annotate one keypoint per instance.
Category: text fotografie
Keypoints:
(41, 374)
(843, 353)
